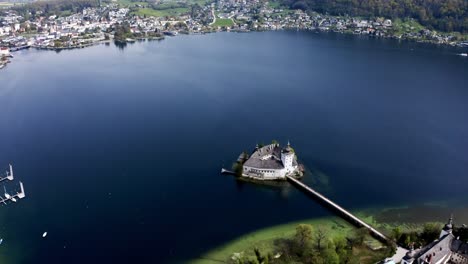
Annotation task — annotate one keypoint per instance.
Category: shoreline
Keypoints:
(317, 31)
(411, 218)
(264, 239)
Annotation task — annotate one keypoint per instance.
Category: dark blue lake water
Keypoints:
(120, 149)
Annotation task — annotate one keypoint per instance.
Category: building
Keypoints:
(446, 250)
(4, 51)
(271, 162)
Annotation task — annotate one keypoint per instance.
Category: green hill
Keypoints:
(444, 15)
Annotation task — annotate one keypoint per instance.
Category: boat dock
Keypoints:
(347, 215)
(9, 175)
(225, 171)
(8, 197)
(13, 49)
(11, 197)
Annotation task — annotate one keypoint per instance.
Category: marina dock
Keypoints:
(8, 197)
(13, 49)
(9, 175)
(11, 197)
(225, 171)
(344, 213)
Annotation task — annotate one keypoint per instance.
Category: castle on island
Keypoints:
(270, 162)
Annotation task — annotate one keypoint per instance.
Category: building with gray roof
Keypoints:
(271, 162)
(446, 250)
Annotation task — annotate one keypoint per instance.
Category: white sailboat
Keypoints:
(8, 196)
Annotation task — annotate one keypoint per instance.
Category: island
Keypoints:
(268, 163)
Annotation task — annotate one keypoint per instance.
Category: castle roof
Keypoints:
(447, 247)
(441, 249)
(267, 157)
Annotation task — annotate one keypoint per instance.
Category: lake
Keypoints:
(120, 148)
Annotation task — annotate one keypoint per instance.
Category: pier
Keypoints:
(225, 171)
(9, 175)
(13, 49)
(8, 197)
(347, 215)
(11, 197)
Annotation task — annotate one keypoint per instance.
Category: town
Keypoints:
(137, 21)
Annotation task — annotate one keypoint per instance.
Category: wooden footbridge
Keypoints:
(347, 215)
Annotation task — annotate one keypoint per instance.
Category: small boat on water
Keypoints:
(463, 54)
(170, 33)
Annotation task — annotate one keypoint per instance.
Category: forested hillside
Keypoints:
(444, 15)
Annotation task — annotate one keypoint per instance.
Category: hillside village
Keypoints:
(114, 21)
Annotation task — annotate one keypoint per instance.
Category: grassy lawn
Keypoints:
(223, 22)
(166, 2)
(407, 26)
(264, 239)
(65, 13)
(190, 2)
(274, 4)
(285, 12)
(5, 4)
(124, 2)
(28, 35)
(130, 3)
(200, 2)
(166, 8)
(161, 13)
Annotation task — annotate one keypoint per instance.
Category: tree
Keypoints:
(316, 259)
(122, 32)
(303, 236)
(396, 233)
(260, 258)
(320, 236)
(431, 232)
(345, 252)
(330, 256)
(360, 235)
(461, 232)
(407, 240)
(445, 15)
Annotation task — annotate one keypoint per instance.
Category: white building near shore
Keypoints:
(4, 51)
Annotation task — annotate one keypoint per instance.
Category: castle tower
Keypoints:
(287, 157)
(447, 228)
